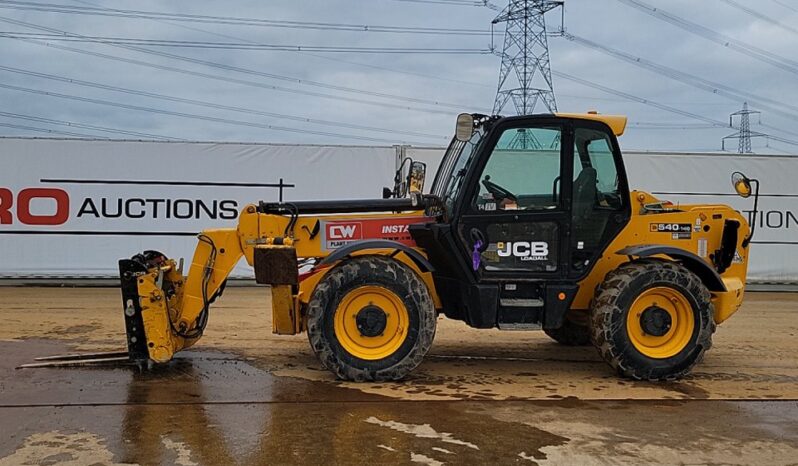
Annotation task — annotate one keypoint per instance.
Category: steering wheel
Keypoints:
(498, 192)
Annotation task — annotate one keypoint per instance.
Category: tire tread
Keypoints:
(606, 310)
(363, 270)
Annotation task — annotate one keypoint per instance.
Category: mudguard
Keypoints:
(694, 263)
(421, 262)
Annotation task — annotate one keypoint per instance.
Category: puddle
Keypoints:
(192, 377)
(50, 448)
(215, 408)
(209, 408)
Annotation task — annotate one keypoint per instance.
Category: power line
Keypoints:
(714, 36)
(687, 126)
(774, 128)
(663, 124)
(692, 80)
(50, 131)
(86, 126)
(241, 45)
(761, 16)
(191, 115)
(651, 103)
(211, 104)
(781, 150)
(670, 126)
(235, 21)
(393, 70)
(789, 7)
(689, 79)
(229, 79)
(641, 100)
(244, 71)
(323, 57)
(446, 2)
(771, 137)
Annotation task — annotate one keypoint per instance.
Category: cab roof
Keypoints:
(617, 123)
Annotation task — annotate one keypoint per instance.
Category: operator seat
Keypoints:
(584, 195)
(585, 225)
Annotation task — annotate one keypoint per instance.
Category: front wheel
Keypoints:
(652, 320)
(371, 318)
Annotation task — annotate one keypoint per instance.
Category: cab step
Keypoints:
(520, 326)
(521, 302)
(521, 306)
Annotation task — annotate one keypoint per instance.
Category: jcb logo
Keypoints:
(22, 206)
(524, 250)
(344, 232)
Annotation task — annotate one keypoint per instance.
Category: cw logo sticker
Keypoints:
(348, 231)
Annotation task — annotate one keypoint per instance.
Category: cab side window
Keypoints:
(593, 153)
(523, 171)
(595, 194)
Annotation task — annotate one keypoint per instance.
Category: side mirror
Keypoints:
(742, 184)
(416, 177)
(465, 127)
(387, 193)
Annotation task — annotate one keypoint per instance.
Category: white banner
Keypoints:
(706, 179)
(71, 209)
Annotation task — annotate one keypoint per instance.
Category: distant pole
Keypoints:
(525, 72)
(744, 134)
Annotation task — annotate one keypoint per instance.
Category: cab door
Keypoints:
(600, 205)
(515, 216)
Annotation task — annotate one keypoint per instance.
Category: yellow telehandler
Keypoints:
(529, 224)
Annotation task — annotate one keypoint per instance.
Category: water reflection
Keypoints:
(216, 410)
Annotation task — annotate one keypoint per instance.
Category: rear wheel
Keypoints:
(371, 318)
(652, 320)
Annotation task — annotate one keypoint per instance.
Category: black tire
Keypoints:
(613, 301)
(571, 333)
(371, 271)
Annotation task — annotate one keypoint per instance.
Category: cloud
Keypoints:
(433, 78)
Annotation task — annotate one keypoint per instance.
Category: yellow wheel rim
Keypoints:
(668, 340)
(369, 345)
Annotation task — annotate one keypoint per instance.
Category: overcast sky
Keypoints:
(435, 87)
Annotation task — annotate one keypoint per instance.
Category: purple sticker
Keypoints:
(476, 257)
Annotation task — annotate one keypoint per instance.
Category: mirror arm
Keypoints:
(747, 240)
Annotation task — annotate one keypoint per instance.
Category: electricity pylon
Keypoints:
(525, 72)
(744, 134)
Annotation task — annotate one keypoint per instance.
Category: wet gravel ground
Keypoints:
(244, 396)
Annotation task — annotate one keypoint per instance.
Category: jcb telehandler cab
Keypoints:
(529, 224)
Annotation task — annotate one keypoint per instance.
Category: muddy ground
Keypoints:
(244, 396)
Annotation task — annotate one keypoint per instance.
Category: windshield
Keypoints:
(454, 167)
